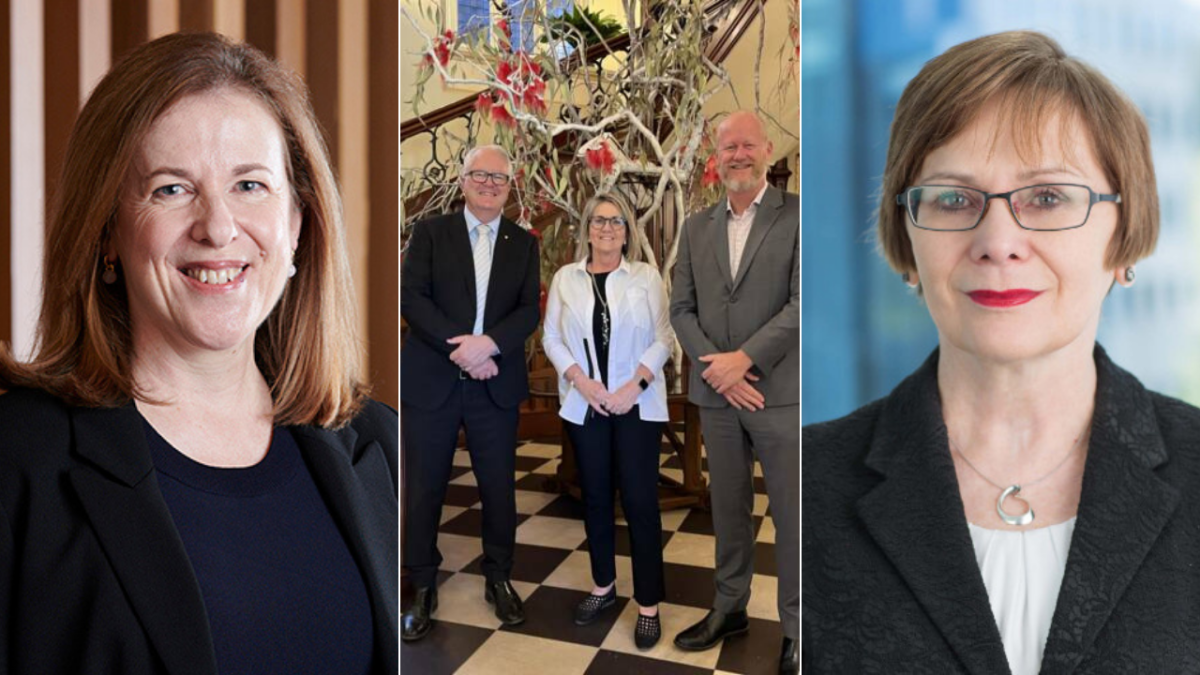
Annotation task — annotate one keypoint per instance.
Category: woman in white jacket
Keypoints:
(608, 334)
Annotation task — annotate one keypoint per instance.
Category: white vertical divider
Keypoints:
(28, 171)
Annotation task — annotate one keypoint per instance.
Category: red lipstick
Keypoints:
(1010, 298)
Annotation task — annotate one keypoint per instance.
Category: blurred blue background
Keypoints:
(863, 331)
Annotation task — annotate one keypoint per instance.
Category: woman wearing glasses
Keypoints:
(608, 335)
(1020, 501)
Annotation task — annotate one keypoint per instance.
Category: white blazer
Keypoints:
(641, 333)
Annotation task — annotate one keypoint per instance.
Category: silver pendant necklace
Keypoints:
(604, 320)
(1014, 490)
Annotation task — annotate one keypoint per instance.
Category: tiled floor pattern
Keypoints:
(552, 574)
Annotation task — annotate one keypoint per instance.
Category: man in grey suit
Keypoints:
(736, 309)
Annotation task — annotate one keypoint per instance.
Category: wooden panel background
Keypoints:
(347, 50)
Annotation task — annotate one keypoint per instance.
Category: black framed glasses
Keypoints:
(600, 222)
(484, 176)
(1044, 207)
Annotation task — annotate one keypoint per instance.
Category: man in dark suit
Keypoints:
(735, 306)
(469, 292)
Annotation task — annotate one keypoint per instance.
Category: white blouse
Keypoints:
(1023, 572)
(641, 333)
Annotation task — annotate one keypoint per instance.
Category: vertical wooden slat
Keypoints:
(352, 145)
(261, 25)
(6, 279)
(229, 18)
(290, 38)
(195, 15)
(130, 26)
(383, 328)
(95, 44)
(61, 91)
(321, 66)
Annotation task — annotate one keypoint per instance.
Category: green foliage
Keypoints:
(581, 21)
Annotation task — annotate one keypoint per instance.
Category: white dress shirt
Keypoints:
(473, 224)
(641, 333)
(738, 228)
(1023, 572)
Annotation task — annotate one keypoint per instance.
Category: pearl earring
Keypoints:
(110, 272)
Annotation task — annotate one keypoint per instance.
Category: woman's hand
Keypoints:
(622, 400)
(594, 392)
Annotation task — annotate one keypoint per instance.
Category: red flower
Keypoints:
(524, 80)
(503, 27)
(601, 158)
(441, 50)
(711, 177)
(537, 234)
(484, 103)
(501, 115)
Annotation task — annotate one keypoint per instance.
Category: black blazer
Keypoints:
(437, 299)
(93, 575)
(890, 579)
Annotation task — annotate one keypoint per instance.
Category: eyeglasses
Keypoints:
(600, 222)
(1044, 207)
(484, 176)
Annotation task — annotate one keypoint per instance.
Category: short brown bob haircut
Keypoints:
(308, 348)
(1033, 80)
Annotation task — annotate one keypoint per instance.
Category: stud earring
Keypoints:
(110, 272)
(1130, 275)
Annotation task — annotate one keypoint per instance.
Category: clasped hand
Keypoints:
(598, 397)
(729, 374)
(473, 354)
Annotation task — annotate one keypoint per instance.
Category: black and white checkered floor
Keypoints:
(551, 572)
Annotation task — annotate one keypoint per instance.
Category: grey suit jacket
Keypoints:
(758, 312)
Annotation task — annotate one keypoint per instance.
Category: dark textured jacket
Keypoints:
(891, 584)
(94, 577)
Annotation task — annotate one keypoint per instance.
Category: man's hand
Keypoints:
(472, 350)
(744, 396)
(725, 369)
(486, 371)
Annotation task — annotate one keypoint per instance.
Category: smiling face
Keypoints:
(486, 200)
(609, 239)
(206, 225)
(743, 152)
(1000, 292)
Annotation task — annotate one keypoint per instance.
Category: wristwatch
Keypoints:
(643, 383)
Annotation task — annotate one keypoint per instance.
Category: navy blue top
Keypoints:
(282, 592)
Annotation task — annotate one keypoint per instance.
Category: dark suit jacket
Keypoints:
(758, 312)
(437, 299)
(890, 579)
(93, 575)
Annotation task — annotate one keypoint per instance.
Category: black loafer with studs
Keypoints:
(593, 605)
(647, 632)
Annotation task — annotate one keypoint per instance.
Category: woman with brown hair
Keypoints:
(192, 478)
(1020, 503)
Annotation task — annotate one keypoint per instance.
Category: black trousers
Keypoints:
(621, 451)
(429, 440)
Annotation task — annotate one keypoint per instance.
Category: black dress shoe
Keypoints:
(647, 631)
(593, 605)
(713, 628)
(417, 621)
(789, 658)
(509, 609)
